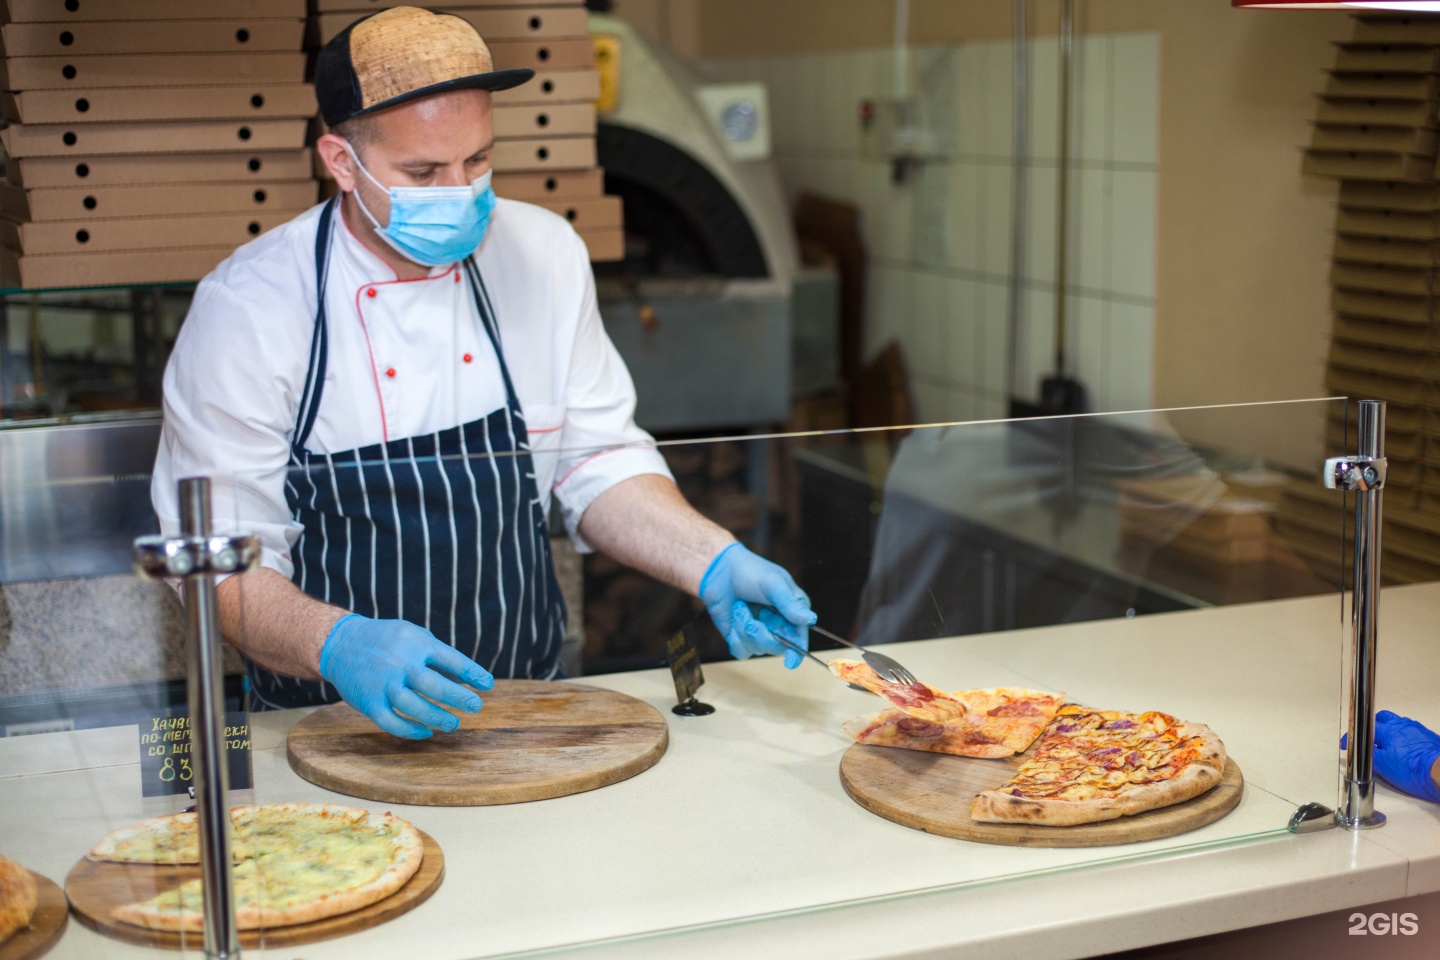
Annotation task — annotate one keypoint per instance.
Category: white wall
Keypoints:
(939, 246)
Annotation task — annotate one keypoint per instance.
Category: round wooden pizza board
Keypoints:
(96, 888)
(933, 791)
(52, 913)
(533, 740)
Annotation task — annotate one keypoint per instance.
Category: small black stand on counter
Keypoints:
(682, 652)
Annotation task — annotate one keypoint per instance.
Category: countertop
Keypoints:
(742, 842)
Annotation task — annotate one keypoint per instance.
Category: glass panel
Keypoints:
(1083, 556)
(80, 355)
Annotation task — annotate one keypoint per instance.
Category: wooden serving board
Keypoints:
(933, 791)
(534, 739)
(52, 913)
(96, 888)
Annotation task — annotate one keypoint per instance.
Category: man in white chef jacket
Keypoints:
(390, 388)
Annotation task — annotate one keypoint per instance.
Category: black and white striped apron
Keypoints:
(445, 529)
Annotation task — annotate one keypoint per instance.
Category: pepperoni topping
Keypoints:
(1020, 708)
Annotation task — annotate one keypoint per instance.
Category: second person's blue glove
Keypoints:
(387, 669)
(737, 587)
(1405, 753)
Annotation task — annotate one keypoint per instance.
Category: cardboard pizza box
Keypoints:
(1404, 253)
(1374, 386)
(99, 139)
(604, 245)
(60, 11)
(63, 270)
(1354, 165)
(1386, 58)
(494, 24)
(138, 36)
(152, 200)
(1418, 140)
(150, 70)
(1357, 195)
(100, 105)
(140, 233)
(1398, 113)
(554, 86)
(1411, 281)
(547, 120)
(1408, 30)
(34, 172)
(590, 216)
(550, 187)
(1399, 224)
(1385, 306)
(1402, 86)
(1379, 332)
(1400, 365)
(567, 153)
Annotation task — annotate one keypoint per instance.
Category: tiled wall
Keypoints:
(939, 247)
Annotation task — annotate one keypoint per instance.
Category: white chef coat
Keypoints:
(406, 357)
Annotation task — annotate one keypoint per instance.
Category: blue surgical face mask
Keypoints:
(433, 226)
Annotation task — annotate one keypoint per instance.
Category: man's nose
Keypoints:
(452, 177)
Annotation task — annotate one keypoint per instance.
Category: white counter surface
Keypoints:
(742, 842)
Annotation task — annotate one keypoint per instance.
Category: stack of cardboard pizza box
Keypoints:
(145, 141)
(544, 129)
(1376, 131)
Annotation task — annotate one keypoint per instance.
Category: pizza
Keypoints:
(294, 863)
(18, 898)
(996, 723)
(918, 700)
(1093, 765)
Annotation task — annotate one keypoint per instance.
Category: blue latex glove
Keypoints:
(1405, 752)
(387, 668)
(748, 597)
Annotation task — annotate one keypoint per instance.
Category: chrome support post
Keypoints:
(196, 557)
(1365, 475)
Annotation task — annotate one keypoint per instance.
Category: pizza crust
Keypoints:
(1198, 776)
(295, 863)
(19, 897)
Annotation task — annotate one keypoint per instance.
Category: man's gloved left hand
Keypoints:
(747, 596)
(1405, 753)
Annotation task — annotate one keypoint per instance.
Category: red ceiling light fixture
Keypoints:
(1400, 6)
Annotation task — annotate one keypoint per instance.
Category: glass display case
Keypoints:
(1146, 561)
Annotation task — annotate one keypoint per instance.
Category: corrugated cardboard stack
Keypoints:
(145, 141)
(1376, 132)
(544, 129)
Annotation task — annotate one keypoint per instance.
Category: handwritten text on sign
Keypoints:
(165, 765)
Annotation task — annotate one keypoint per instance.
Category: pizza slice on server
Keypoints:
(990, 724)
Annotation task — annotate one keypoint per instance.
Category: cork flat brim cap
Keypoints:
(403, 54)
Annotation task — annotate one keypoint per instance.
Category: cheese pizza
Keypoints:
(919, 700)
(294, 863)
(1093, 765)
(996, 723)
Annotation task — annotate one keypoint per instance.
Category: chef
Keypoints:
(390, 388)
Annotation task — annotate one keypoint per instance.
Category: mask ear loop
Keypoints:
(358, 199)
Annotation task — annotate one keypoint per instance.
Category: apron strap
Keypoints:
(487, 320)
(315, 368)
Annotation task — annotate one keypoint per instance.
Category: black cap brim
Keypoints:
(494, 81)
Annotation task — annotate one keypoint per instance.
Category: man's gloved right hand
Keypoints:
(1405, 753)
(387, 668)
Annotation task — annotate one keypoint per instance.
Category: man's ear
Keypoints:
(337, 160)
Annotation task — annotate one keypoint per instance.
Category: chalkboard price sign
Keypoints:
(165, 767)
(682, 652)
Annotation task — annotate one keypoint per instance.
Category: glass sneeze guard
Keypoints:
(1158, 560)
